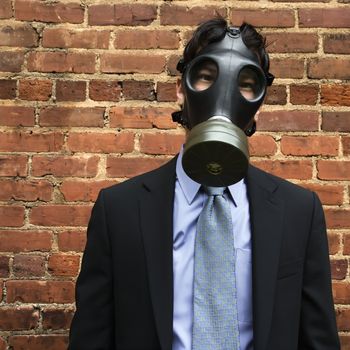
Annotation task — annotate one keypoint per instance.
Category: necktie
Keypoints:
(215, 319)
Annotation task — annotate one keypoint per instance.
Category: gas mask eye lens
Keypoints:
(250, 83)
(203, 75)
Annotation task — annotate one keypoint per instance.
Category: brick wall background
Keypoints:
(86, 92)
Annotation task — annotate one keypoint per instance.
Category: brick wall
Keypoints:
(86, 92)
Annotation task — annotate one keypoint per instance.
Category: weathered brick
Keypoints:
(329, 68)
(333, 243)
(346, 145)
(291, 42)
(48, 12)
(346, 248)
(121, 142)
(38, 342)
(85, 166)
(341, 293)
(17, 116)
(171, 64)
(11, 215)
(29, 190)
(304, 94)
(13, 165)
(4, 267)
(276, 95)
(288, 121)
(31, 142)
(166, 92)
(339, 268)
(57, 318)
(64, 265)
(29, 265)
(61, 62)
(105, 90)
(129, 167)
(324, 17)
(3, 344)
(71, 116)
(132, 63)
(287, 67)
(344, 338)
(71, 241)
(281, 18)
(11, 61)
(67, 38)
(336, 121)
(333, 170)
(60, 215)
(138, 90)
(146, 39)
(329, 194)
(310, 145)
(18, 318)
(336, 43)
(5, 12)
(262, 145)
(7, 89)
(343, 320)
(18, 35)
(67, 90)
(182, 15)
(337, 218)
(161, 143)
(335, 95)
(25, 241)
(35, 89)
(122, 14)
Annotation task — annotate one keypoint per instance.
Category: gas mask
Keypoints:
(224, 86)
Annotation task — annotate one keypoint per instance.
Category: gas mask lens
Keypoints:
(203, 75)
(251, 84)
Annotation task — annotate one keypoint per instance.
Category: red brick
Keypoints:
(324, 17)
(333, 170)
(171, 64)
(86, 191)
(61, 62)
(18, 318)
(116, 142)
(35, 89)
(166, 92)
(60, 215)
(65, 166)
(29, 190)
(337, 218)
(333, 243)
(67, 38)
(329, 68)
(335, 95)
(4, 267)
(11, 61)
(64, 265)
(344, 338)
(31, 10)
(289, 169)
(146, 39)
(182, 15)
(105, 90)
(161, 143)
(29, 265)
(1, 296)
(262, 145)
(38, 342)
(132, 63)
(122, 14)
(25, 241)
(281, 18)
(346, 249)
(329, 194)
(336, 43)
(291, 42)
(3, 344)
(288, 121)
(339, 268)
(57, 318)
(141, 117)
(304, 94)
(71, 241)
(276, 95)
(31, 142)
(5, 12)
(17, 116)
(341, 293)
(343, 320)
(11, 215)
(346, 145)
(70, 90)
(138, 90)
(129, 167)
(13, 165)
(287, 67)
(310, 145)
(336, 121)
(7, 89)
(71, 116)
(18, 35)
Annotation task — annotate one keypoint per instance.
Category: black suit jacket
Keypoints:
(124, 292)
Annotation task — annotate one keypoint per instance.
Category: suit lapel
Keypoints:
(156, 218)
(266, 221)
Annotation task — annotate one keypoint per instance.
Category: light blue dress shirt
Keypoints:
(188, 204)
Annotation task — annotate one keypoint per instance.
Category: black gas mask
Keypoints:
(224, 86)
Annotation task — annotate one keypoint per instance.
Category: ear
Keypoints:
(179, 92)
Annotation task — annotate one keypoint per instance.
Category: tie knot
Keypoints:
(214, 191)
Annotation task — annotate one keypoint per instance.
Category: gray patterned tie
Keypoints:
(215, 319)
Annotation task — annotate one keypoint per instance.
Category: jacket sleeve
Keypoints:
(318, 329)
(92, 325)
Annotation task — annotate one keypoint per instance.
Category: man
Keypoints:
(149, 277)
